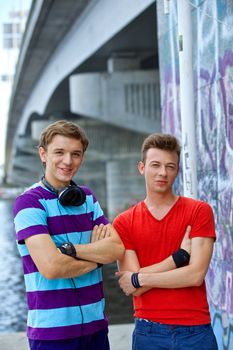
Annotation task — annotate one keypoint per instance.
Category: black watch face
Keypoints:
(66, 245)
(69, 249)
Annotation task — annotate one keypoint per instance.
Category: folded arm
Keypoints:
(105, 246)
(51, 263)
(130, 263)
(187, 276)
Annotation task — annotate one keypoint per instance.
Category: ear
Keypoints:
(42, 154)
(141, 167)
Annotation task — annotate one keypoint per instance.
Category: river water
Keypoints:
(13, 309)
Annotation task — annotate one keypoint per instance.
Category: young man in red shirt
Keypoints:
(170, 302)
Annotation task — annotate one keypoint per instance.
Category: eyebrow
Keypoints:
(158, 162)
(62, 149)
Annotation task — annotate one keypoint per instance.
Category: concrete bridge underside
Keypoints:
(94, 62)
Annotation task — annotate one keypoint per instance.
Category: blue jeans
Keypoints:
(96, 341)
(156, 336)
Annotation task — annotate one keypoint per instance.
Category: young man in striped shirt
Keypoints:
(64, 238)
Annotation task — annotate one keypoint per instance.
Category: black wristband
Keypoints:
(68, 248)
(134, 280)
(181, 257)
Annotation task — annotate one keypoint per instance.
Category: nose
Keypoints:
(162, 170)
(67, 159)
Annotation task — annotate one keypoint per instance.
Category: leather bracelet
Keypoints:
(134, 280)
(181, 257)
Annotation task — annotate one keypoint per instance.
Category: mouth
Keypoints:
(65, 171)
(161, 183)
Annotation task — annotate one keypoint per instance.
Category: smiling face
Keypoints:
(160, 169)
(62, 159)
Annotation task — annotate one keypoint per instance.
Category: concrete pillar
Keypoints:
(125, 186)
(37, 126)
(115, 64)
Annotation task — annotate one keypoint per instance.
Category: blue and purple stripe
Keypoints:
(53, 299)
(67, 332)
(59, 308)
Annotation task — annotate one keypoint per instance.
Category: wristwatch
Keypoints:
(68, 248)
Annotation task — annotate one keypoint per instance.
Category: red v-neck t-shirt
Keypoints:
(154, 240)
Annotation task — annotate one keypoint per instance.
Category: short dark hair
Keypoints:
(64, 128)
(164, 142)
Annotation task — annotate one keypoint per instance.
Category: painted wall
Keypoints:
(212, 23)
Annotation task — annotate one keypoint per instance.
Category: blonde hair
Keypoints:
(64, 128)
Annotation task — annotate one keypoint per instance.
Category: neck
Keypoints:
(50, 186)
(160, 199)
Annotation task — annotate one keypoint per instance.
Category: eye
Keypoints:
(171, 167)
(77, 154)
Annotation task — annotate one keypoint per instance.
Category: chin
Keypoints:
(160, 190)
(64, 180)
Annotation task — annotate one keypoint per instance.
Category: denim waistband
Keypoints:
(144, 323)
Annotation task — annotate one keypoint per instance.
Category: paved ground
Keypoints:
(119, 335)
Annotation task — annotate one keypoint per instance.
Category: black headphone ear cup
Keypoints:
(72, 195)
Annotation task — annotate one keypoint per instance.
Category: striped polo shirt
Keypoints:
(61, 308)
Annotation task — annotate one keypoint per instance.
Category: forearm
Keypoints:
(165, 265)
(187, 276)
(104, 251)
(130, 263)
(63, 266)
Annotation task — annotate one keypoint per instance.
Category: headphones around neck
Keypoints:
(71, 195)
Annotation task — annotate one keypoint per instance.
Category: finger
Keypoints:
(187, 231)
(186, 242)
(102, 232)
(94, 235)
(108, 232)
(97, 233)
(118, 274)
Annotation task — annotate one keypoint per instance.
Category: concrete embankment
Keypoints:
(119, 336)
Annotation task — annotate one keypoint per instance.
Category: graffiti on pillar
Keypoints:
(213, 65)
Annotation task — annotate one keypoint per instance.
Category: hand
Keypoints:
(186, 243)
(125, 282)
(100, 232)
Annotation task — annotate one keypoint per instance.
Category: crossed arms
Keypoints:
(165, 274)
(105, 247)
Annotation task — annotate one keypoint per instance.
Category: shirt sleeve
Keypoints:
(203, 222)
(121, 224)
(29, 217)
(98, 214)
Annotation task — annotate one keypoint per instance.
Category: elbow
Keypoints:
(50, 275)
(50, 271)
(198, 279)
(117, 254)
(120, 251)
